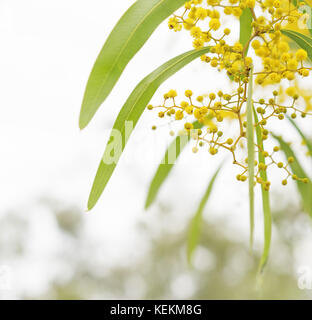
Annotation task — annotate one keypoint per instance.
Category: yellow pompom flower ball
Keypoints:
(198, 43)
(188, 126)
(201, 13)
(188, 93)
(172, 94)
(227, 31)
(291, 91)
(292, 64)
(196, 32)
(214, 63)
(214, 24)
(256, 44)
(179, 115)
(301, 55)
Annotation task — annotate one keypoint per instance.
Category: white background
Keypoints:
(47, 52)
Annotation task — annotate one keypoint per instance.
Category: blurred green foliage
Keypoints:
(223, 267)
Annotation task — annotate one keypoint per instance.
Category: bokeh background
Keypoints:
(50, 247)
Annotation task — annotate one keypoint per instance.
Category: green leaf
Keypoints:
(245, 30)
(163, 170)
(304, 138)
(265, 203)
(128, 36)
(305, 189)
(302, 40)
(251, 156)
(131, 112)
(195, 225)
(245, 21)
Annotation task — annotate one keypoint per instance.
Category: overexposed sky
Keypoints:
(48, 50)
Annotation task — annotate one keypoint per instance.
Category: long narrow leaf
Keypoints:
(126, 39)
(195, 225)
(302, 40)
(251, 156)
(265, 203)
(131, 112)
(304, 138)
(305, 189)
(163, 170)
(245, 21)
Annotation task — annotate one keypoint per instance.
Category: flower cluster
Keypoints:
(277, 64)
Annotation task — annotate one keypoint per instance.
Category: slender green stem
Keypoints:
(251, 156)
(265, 204)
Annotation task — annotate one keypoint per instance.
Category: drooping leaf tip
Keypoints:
(146, 205)
(82, 122)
